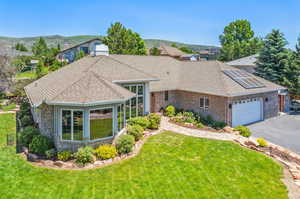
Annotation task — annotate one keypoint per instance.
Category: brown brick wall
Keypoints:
(219, 106)
(190, 101)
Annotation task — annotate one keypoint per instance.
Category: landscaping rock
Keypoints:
(32, 157)
(58, 163)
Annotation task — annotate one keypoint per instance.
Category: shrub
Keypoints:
(124, 144)
(26, 120)
(27, 135)
(84, 155)
(244, 131)
(64, 155)
(170, 111)
(199, 125)
(218, 125)
(106, 152)
(40, 144)
(142, 121)
(262, 142)
(206, 120)
(185, 117)
(51, 153)
(154, 120)
(136, 131)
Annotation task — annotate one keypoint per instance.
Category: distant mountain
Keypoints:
(67, 41)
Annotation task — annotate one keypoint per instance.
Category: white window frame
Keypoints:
(136, 96)
(205, 105)
(124, 116)
(72, 124)
(113, 123)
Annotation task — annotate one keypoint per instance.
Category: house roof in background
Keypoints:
(245, 61)
(171, 51)
(75, 46)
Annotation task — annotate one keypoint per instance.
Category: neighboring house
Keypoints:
(87, 47)
(246, 63)
(170, 51)
(88, 101)
(190, 57)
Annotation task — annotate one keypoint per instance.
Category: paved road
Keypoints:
(282, 130)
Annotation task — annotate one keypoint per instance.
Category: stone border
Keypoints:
(71, 165)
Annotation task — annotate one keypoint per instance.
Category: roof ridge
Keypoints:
(132, 67)
(85, 71)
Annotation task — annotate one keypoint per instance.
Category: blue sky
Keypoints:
(199, 22)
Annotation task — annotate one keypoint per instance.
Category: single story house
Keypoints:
(69, 54)
(89, 100)
(190, 57)
(170, 51)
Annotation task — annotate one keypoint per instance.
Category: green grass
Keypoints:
(8, 107)
(169, 166)
(28, 74)
(7, 126)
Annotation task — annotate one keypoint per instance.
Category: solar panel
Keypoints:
(244, 78)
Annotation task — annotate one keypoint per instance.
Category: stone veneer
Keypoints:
(219, 106)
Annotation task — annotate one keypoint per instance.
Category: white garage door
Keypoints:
(246, 111)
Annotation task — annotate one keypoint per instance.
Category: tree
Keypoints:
(238, 41)
(154, 51)
(186, 50)
(20, 47)
(7, 73)
(174, 45)
(273, 58)
(41, 70)
(291, 78)
(124, 41)
(40, 48)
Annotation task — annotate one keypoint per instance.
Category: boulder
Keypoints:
(32, 157)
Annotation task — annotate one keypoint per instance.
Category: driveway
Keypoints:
(282, 130)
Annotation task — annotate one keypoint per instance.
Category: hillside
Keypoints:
(67, 41)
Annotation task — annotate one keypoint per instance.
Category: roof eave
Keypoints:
(256, 92)
(135, 80)
(104, 102)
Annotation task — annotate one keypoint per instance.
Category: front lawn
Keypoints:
(169, 166)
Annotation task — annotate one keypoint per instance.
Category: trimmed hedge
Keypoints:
(154, 120)
(170, 111)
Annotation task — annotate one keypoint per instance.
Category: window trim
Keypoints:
(205, 105)
(137, 95)
(113, 123)
(72, 125)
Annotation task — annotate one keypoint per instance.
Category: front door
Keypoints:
(281, 103)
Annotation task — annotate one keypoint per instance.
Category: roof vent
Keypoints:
(101, 49)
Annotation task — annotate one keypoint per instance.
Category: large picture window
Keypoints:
(135, 106)
(101, 123)
(72, 125)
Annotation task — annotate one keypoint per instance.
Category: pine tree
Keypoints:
(292, 72)
(40, 48)
(273, 58)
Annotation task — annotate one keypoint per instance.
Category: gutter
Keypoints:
(105, 102)
(253, 93)
(135, 80)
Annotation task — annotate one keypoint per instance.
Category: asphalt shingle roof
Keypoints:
(245, 61)
(95, 79)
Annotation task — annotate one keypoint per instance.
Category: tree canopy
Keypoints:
(273, 58)
(21, 47)
(238, 41)
(121, 40)
(154, 51)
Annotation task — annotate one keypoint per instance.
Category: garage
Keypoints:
(247, 111)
